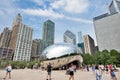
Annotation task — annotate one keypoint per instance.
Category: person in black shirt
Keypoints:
(49, 69)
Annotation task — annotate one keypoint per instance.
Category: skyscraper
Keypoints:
(107, 28)
(5, 38)
(15, 29)
(80, 42)
(89, 44)
(69, 37)
(114, 7)
(35, 49)
(6, 53)
(48, 32)
(21, 40)
(80, 39)
(42, 45)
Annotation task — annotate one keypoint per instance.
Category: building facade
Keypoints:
(21, 40)
(5, 38)
(107, 28)
(81, 46)
(80, 38)
(114, 6)
(80, 43)
(15, 29)
(35, 49)
(89, 45)
(69, 37)
(48, 32)
(6, 53)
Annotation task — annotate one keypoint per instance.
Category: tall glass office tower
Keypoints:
(80, 39)
(48, 32)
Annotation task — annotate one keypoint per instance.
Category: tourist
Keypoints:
(102, 67)
(75, 68)
(87, 67)
(112, 73)
(110, 67)
(71, 69)
(106, 68)
(93, 68)
(49, 69)
(98, 73)
(8, 71)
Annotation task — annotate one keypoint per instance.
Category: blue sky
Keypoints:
(73, 15)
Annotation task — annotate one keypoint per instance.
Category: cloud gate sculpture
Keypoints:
(53, 52)
(60, 49)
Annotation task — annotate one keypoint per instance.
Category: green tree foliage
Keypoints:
(103, 57)
(18, 64)
(115, 55)
(87, 58)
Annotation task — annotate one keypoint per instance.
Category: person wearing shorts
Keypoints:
(8, 71)
(49, 69)
(71, 69)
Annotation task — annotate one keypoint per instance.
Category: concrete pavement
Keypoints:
(28, 74)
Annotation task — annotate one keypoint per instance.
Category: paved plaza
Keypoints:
(28, 74)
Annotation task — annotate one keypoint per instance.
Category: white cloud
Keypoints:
(51, 13)
(80, 20)
(71, 6)
(58, 4)
(41, 12)
(39, 2)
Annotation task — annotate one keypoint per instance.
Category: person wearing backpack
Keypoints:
(113, 76)
(49, 70)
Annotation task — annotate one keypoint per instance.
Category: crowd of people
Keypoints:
(98, 70)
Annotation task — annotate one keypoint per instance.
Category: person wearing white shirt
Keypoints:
(98, 73)
(8, 71)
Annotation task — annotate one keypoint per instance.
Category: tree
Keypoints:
(87, 58)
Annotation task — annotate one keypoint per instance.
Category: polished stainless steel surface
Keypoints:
(60, 49)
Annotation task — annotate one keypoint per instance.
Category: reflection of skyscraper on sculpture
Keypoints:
(61, 54)
(21, 40)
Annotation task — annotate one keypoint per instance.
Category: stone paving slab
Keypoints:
(28, 74)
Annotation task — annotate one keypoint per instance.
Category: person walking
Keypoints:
(87, 67)
(98, 73)
(113, 76)
(93, 68)
(8, 71)
(49, 69)
(71, 69)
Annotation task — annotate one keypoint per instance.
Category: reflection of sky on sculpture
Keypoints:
(60, 49)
